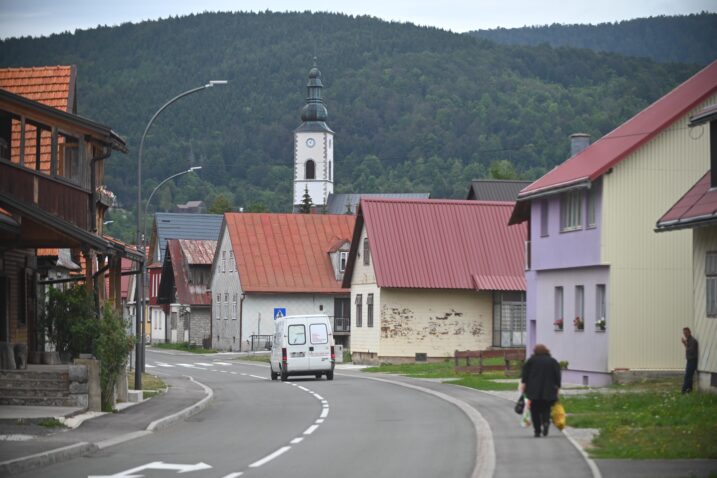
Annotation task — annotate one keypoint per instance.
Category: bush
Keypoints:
(70, 321)
(113, 346)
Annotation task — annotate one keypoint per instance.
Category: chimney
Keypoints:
(578, 142)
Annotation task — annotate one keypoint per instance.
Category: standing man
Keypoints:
(690, 344)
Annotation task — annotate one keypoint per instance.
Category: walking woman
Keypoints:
(540, 382)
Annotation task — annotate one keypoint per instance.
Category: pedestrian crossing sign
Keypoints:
(279, 312)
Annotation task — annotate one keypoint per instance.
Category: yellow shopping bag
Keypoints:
(557, 413)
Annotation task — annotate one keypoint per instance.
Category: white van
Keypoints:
(303, 345)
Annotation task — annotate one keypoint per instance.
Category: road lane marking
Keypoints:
(324, 412)
(204, 364)
(257, 376)
(150, 366)
(304, 388)
(268, 458)
(311, 429)
(222, 363)
(296, 440)
(318, 396)
(319, 420)
(233, 373)
(163, 364)
(233, 475)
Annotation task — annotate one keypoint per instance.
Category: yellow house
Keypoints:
(429, 277)
(697, 210)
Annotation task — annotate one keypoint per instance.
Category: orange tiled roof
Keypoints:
(50, 85)
(287, 252)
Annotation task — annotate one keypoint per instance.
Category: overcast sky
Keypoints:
(43, 17)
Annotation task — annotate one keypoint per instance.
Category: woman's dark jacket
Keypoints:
(541, 376)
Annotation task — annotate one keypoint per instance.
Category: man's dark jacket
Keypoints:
(541, 375)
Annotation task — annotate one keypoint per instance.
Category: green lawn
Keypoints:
(257, 358)
(445, 369)
(647, 420)
(184, 347)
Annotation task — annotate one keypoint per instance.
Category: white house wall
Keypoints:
(225, 331)
(705, 328)
(364, 340)
(651, 274)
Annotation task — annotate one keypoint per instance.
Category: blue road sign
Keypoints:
(279, 312)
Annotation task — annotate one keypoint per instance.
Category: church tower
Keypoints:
(313, 148)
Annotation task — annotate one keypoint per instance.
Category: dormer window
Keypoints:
(343, 259)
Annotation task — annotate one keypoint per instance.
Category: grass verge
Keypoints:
(257, 358)
(151, 384)
(648, 420)
(445, 369)
(184, 347)
(51, 423)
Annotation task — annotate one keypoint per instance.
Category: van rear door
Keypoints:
(320, 346)
(297, 346)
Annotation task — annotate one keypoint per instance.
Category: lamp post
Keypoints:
(139, 322)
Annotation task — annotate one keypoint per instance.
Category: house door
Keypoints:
(4, 310)
(342, 315)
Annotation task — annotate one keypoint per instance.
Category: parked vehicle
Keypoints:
(303, 345)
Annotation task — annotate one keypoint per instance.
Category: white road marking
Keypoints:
(311, 429)
(296, 440)
(257, 376)
(324, 413)
(163, 364)
(222, 363)
(304, 389)
(319, 420)
(268, 458)
(243, 374)
(150, 366)
(233, 373)
(233, 475)
(318, 396)
(203, 364)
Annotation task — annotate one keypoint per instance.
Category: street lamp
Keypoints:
(139, 322)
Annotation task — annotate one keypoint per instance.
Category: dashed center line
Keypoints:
(311, 429)
(268, 458)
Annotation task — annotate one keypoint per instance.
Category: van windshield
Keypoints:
(297, 335)
(319, 333)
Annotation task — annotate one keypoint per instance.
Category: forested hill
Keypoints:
(682, 38)
(413, 108)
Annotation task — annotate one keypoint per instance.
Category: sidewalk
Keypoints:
(32, 445)
(558, 454)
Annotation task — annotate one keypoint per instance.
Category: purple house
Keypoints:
(604, 292)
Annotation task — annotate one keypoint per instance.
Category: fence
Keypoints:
(261, 342)
(507, 355)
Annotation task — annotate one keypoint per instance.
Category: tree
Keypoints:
(306, 202)
(220, 205)
(503, 169)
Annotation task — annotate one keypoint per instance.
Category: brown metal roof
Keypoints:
(198, 252)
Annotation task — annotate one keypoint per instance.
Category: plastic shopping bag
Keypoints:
(525, 420)
(557, 413)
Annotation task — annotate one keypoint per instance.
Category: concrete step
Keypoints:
(33, 375)
(24, 392)
(38, 401)
(34, 384)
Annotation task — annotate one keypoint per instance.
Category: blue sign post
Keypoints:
(279, 312)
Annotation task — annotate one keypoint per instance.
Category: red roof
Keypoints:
(442, 244)
(697, 207)
(50, 85)
(287, 252)
(189, 292)
(598, 158)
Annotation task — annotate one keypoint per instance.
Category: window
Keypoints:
(508, 319)
(592, 201)
(579, 321)
(231, 261)
(544, 218)
(224, 261)
(331, 172)
(366, 253)
(319, 334)
(218, 306)
(358, 310)
(310, 170)
(297, 334)
(600, 309)
(234, 307)
(571, 211)
(369, 310)
(343, 259)
(226, 305)
(558, 323)
(711, 283)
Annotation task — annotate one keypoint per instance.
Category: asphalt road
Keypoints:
(349, 427)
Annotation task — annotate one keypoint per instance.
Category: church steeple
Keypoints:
(313, 148)
(314, 110)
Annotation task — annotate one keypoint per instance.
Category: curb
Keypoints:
(187, 412)
(75, 450)
(45, 458)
